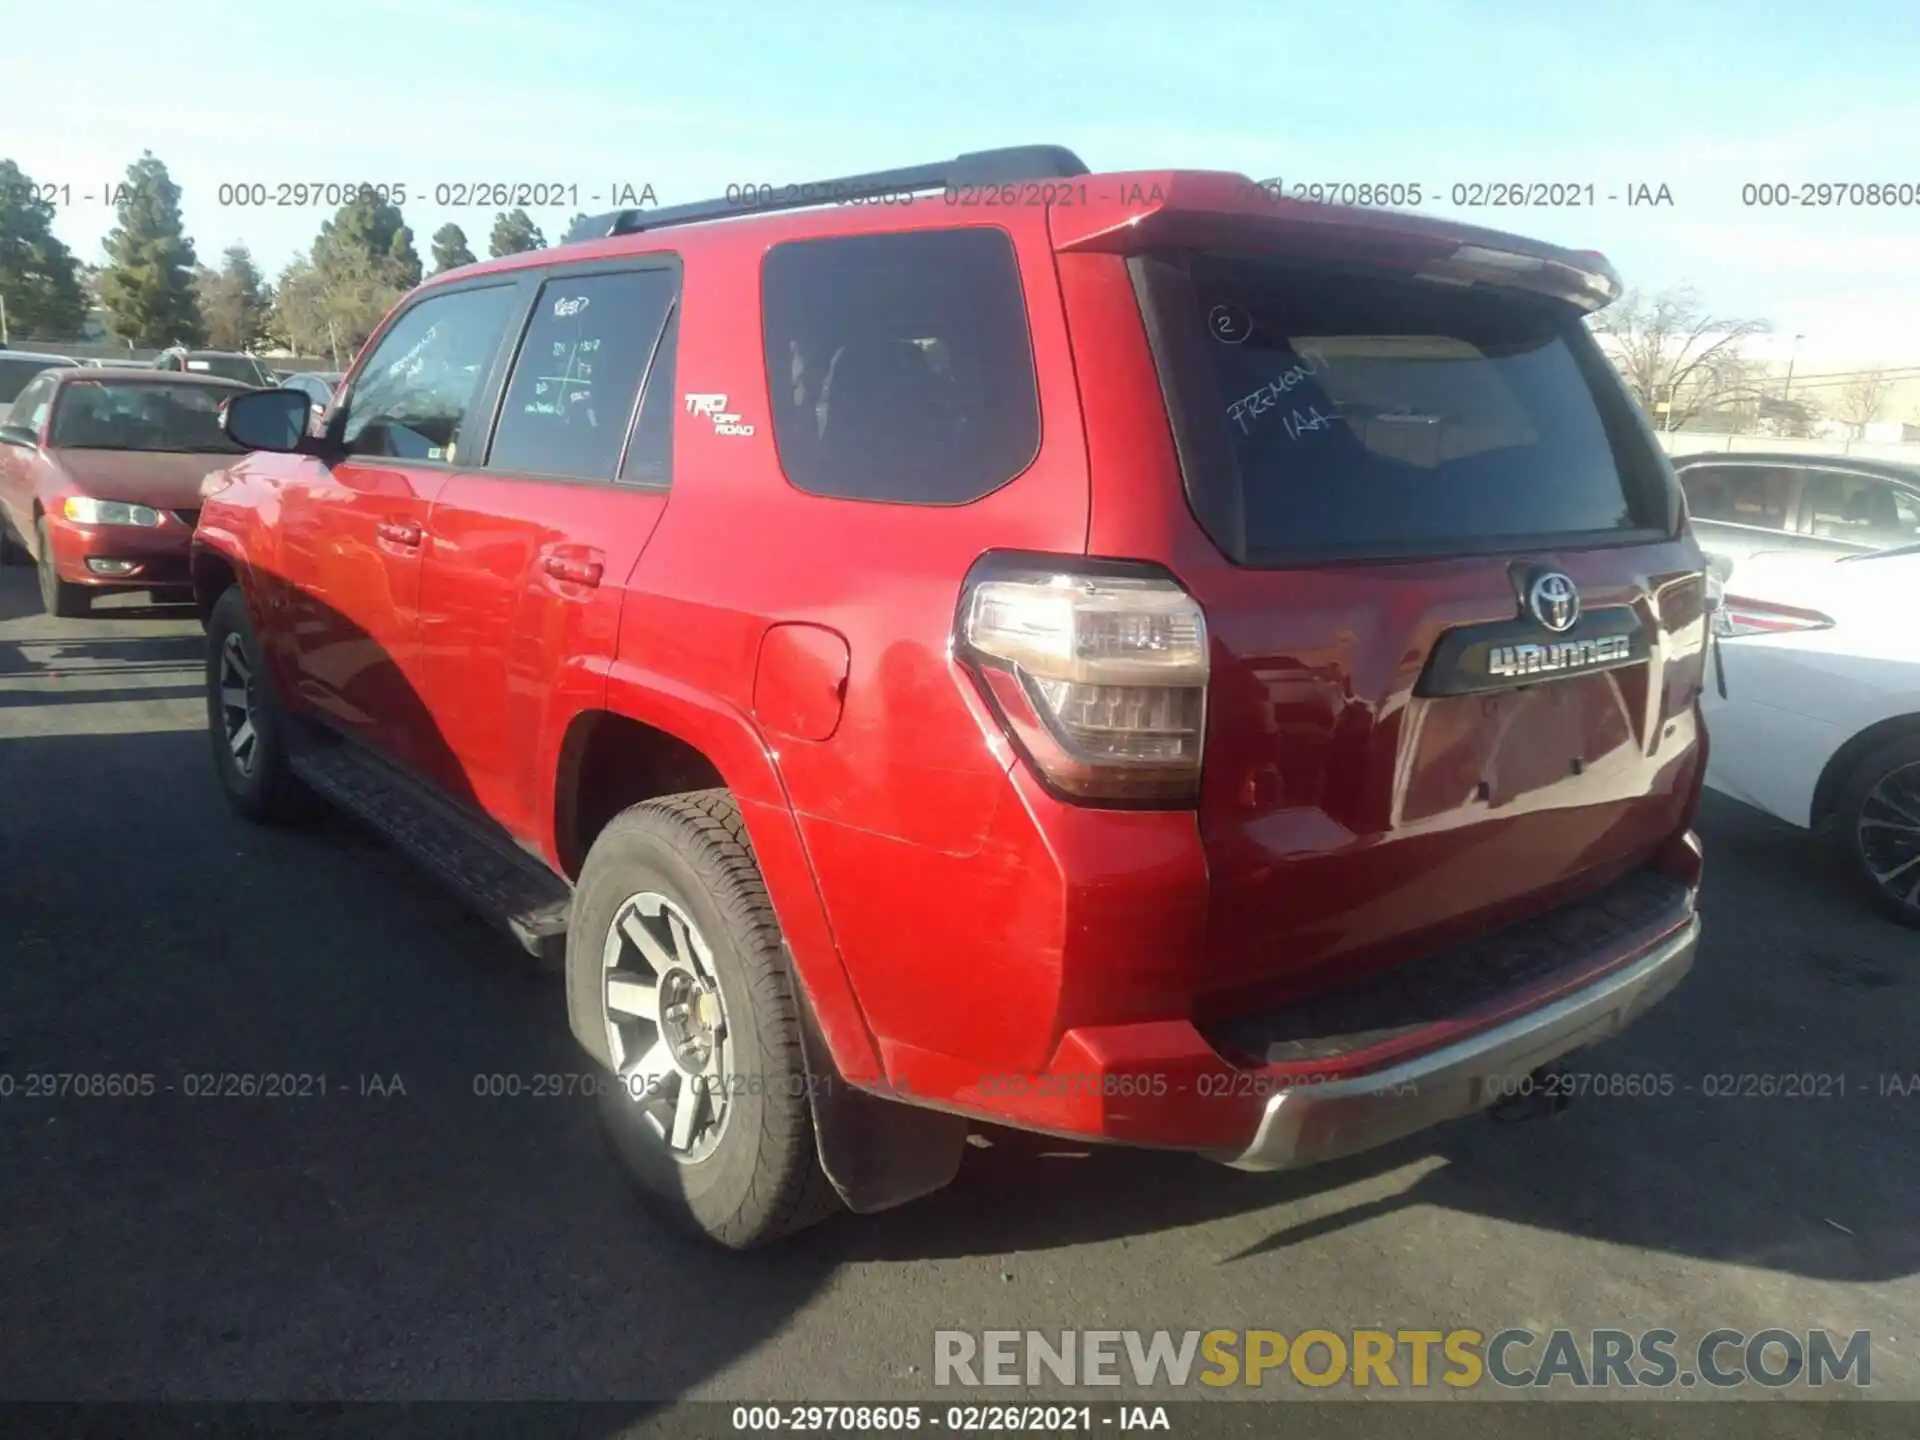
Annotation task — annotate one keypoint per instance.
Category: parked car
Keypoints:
(100, 473)
(225, 364)
(1744, 504)
(1820, 722)
(318, 388)
(17, 367)
(1168, 669)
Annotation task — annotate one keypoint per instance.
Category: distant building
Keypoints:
(1890, 432)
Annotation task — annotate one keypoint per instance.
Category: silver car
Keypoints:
(17, 367)
(1742, 504)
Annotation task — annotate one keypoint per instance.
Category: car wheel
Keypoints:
(57, 596)
(678, 982)
(1880, 819)
(245, 721)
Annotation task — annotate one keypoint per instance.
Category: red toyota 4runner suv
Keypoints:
(1121, 656)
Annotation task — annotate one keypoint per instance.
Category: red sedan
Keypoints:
(100, 476)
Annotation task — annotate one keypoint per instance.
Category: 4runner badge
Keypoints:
(1512, 661)
(714, 407)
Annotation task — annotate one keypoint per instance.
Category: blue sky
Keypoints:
(690, 98)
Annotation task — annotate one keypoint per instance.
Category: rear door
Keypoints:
(1742, 507)
(1859, 511)
(521, 590)
(1457, 621)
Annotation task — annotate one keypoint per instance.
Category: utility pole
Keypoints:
(1786, 390)
(5, 338)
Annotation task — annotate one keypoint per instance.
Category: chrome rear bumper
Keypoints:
(1307, 1124)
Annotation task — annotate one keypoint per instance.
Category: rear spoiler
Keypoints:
(1208, 209)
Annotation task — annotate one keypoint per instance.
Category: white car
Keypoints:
(1819, 658)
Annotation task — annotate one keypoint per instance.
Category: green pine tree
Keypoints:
(39, 279)
(450, 249)
(147, 285)
(514, 231)
(233, 301)
(368, 228)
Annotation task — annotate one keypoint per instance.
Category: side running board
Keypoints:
(479, 862)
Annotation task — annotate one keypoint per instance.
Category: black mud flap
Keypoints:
(877, 1153)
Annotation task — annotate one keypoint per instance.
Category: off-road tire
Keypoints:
(763, 1179)
(270, 794)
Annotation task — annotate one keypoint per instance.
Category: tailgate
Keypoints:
(1457, 621)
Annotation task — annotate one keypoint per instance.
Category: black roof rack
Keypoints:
(1009, 166)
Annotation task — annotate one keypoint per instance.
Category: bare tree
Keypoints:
(1670, 349)
(1863, 398)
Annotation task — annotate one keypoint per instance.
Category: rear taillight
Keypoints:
(1097, 672)
(1737, 615)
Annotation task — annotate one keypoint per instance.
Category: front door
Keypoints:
(354, 533)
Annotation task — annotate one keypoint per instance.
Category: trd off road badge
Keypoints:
(714, 407)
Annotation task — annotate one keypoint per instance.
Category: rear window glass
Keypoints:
(229, 367)
(1364, 413)
(900, 366)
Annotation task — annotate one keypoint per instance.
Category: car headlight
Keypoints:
(85, 510)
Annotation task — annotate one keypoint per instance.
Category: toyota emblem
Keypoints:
(1554, 601)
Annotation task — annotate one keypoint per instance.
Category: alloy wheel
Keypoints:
(1889, 834)
(237, 705)
(667, 1030)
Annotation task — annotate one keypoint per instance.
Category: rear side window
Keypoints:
(29, 407)
(1756, 495)
(1860, 509)
(579, 371)
(649, 459)
(1342, 413)
(900, 366)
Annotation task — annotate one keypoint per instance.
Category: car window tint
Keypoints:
(1757, 495)
(574, 382)
(1860, 509)
(650, 453)
(142, 415)
(1363, 413)
(412, 398)
(900, 365)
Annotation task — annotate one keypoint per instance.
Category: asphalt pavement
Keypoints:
(402, 1236)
